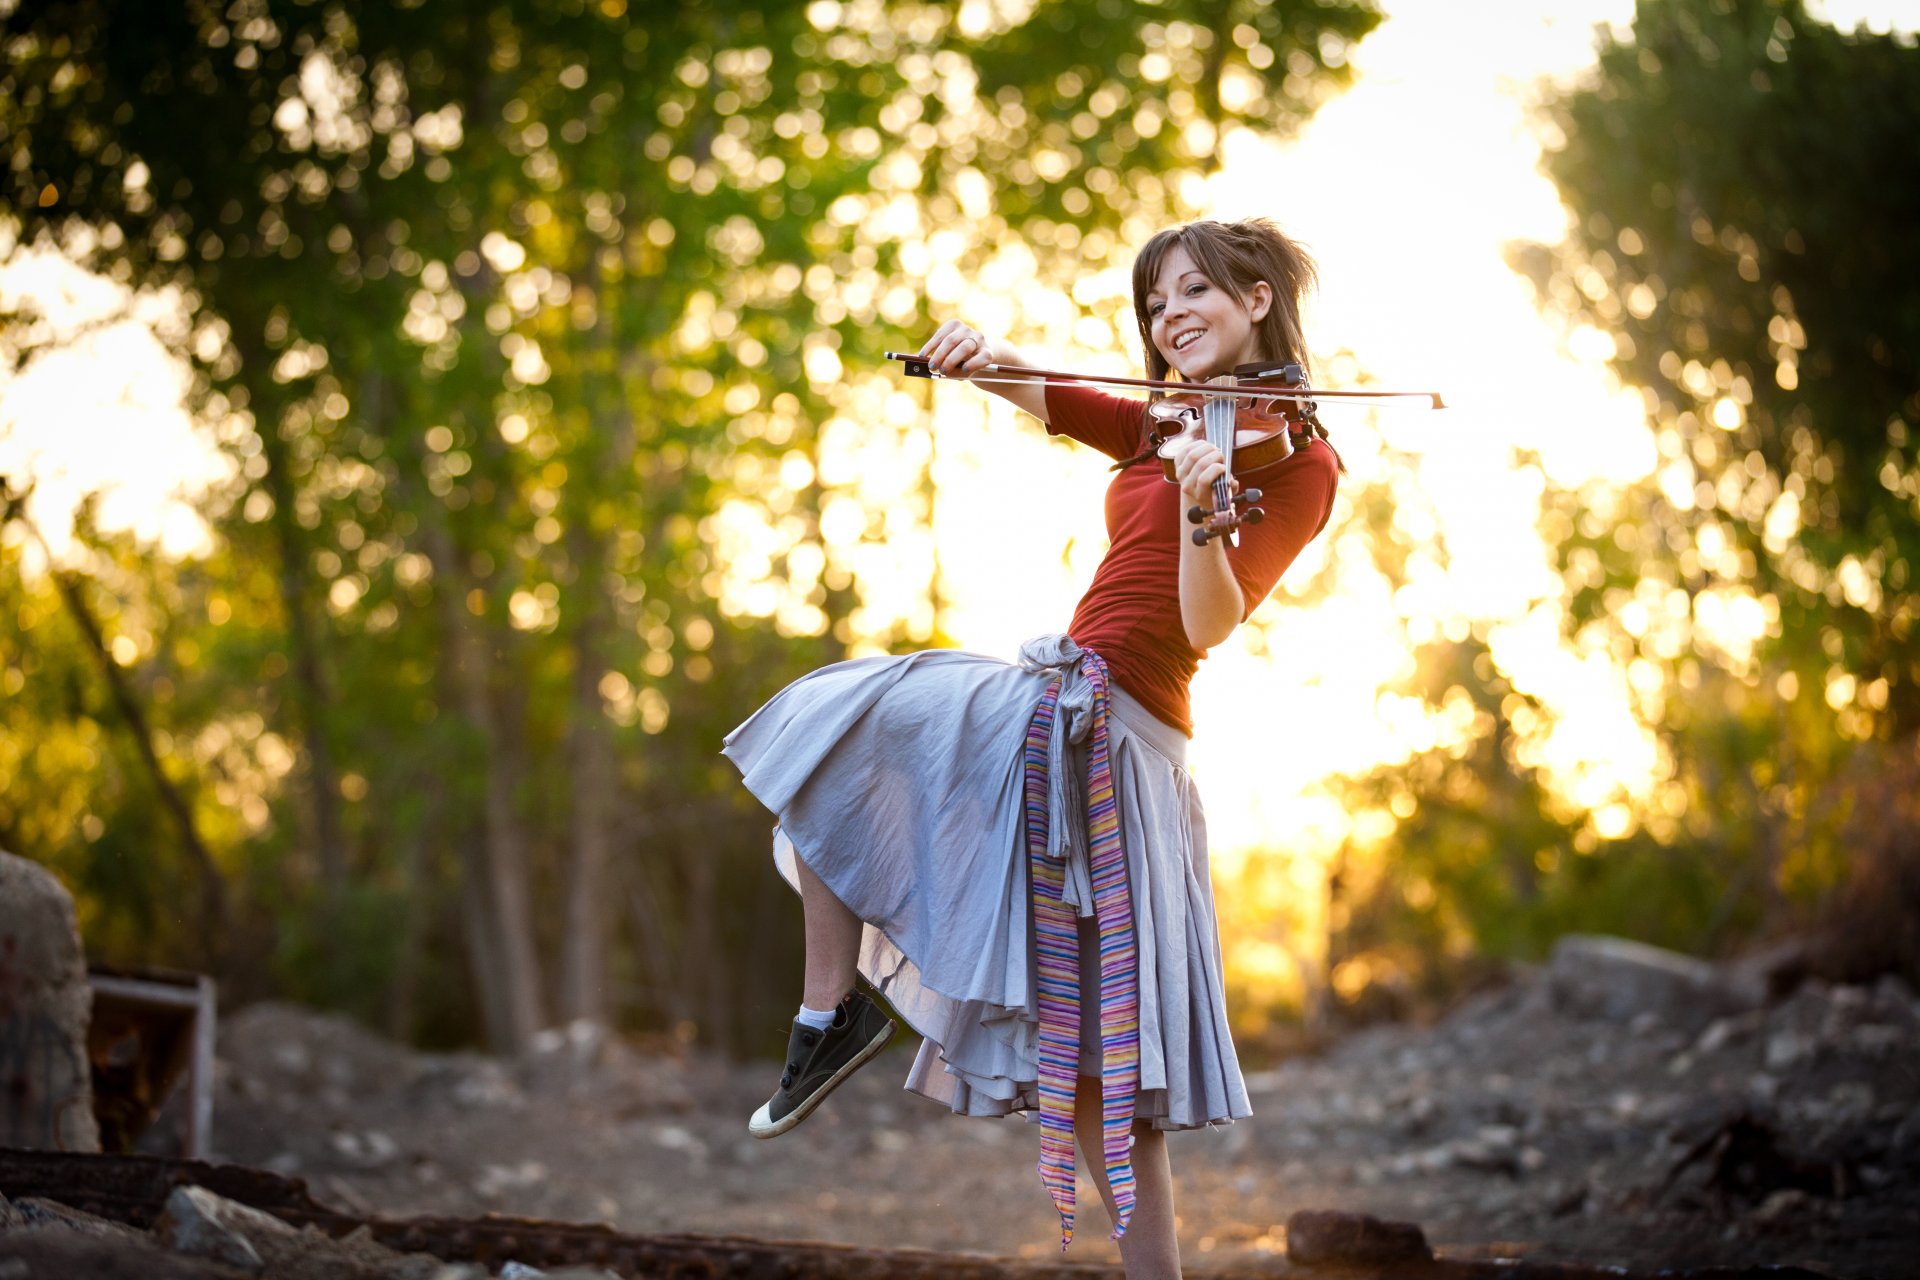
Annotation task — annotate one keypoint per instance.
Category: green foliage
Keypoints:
(1486, 863)
(1742, 183)
(507, 314)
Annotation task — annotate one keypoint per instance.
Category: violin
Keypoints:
(1250, 434)
(1258, 415)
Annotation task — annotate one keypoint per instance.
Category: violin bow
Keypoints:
(919, 367)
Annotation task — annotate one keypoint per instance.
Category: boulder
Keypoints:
(46, 1090)
(1618, 980)
(200, 1224)
(1326, 1238)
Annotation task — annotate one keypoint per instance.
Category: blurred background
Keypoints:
(428, 428)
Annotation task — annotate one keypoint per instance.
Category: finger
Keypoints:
(951, 336)
(939, 335)
(1201, 457)
(955, 349)
(1203, 477)
(941, 347)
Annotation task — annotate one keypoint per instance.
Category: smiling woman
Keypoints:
(907, 787)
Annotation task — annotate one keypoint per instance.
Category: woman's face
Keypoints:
(1201, 328)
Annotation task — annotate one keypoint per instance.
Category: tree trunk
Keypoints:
(590, 748)
(294, 580)
(594, 776)
(419, 882)
(665, 992)
(500, 913)
(213, 919)
(699, 961)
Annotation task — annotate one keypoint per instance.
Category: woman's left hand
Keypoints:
(1196, 468)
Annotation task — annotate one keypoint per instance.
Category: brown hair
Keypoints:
(1235, 256)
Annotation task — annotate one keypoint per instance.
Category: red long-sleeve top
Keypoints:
(1131, 613)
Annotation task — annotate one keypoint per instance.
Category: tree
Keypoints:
(515, 310)
(1742, 182)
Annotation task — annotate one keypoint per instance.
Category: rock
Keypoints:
(1781, 1206)
(60, 1255)
(1772, 972)
(1617, 980)
(1892, 995)
(521, 1271)
(1321, 1237)
(46, 1089)
(201, 1224)
(35, 1212)
(1786, 1049)
(1723, 1032)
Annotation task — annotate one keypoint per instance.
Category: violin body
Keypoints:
(1262, 435)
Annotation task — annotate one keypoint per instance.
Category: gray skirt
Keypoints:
(899, 781)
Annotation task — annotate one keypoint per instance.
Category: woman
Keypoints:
(988, 841)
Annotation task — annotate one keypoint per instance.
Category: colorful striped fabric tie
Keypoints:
(1057, 961)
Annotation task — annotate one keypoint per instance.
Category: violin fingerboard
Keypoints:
(1222, 421)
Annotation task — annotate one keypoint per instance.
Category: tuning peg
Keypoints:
(1253, 515)
(1246, 498)
(1196, 515)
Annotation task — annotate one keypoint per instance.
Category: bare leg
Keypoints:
(833, 942)
(1151, 1248)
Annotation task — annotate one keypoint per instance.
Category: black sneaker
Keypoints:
(818, 1059)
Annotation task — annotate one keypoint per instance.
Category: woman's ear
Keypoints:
(1259, 300)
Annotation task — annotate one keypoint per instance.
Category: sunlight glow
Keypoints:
(1407, 189)
(98, 414)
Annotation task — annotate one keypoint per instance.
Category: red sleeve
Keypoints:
(1115, 425)
(1297, 496)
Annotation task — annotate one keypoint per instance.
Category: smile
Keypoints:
(1188, 338)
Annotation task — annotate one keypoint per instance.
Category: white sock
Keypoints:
(815, 1018)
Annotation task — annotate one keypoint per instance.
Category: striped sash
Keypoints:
(1057, 964)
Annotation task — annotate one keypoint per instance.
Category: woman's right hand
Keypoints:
(957, 350)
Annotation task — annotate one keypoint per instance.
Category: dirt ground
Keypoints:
(1785, 1134)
